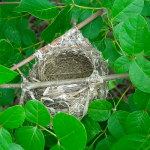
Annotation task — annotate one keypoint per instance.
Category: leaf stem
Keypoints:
(122, 96)
(33, 45)
(15, 17)
(85, 7)
(99, 136)
(47, 130)
(116, 40)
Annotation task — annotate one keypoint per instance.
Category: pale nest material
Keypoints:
(71, 58)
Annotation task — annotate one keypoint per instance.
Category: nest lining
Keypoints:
(73, 57)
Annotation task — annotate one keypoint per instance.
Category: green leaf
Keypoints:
(6, 96)
(30, 138)
(61, 22)
(110, 53)
(76, 12)
(142, 100)
(57, 147)
(106, 143)
(132, 142)
(6, 74)
(12, 117)
(112, 84)
(132, 34)
(148, 22)
(108, 3)
(100, 110)
(40, 9)
(22, 24)
(140, 74)
(147, 45)
(146, 10)
(116, 124)
(29, 37)
(67, 1)
(92, 127)
(138, 122)
(7, 11)
(16, 147)
(132, 103)
(36, 112)
(92, 29)
(5, 139)
(98, 42)
(122, 64)
(13, 36)
(50, 140)
(89, 148)
(4, 23)
(70, 131)
(6, 51)
(116, 30)
(123, 9)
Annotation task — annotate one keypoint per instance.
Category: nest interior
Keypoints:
(74, 57)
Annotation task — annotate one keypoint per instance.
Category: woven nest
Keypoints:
(72, 58)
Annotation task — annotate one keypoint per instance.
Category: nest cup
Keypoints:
(72, 58)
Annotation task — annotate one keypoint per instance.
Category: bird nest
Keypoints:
(72, 59)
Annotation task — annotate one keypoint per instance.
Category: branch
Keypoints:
(48, 47)
(13, 3)
(34, 85)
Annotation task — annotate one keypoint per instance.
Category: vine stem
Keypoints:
(99, 136)
(48, 130)
(122, 96)
(48, 47)
(33, 85)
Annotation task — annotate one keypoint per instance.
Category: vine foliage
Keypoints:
(110, 124)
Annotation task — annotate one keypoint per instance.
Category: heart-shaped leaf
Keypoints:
(69, 131)
(36, 112)
(92, 127)
(5, 139)
(116, 124)
(30, 138)
(12, 117)
(16, 147)
(100, 110)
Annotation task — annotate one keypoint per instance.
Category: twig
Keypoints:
(21, 102)
(14, 3)
(48, 47)
(64, 82)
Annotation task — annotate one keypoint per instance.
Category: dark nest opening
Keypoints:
(65, 66)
